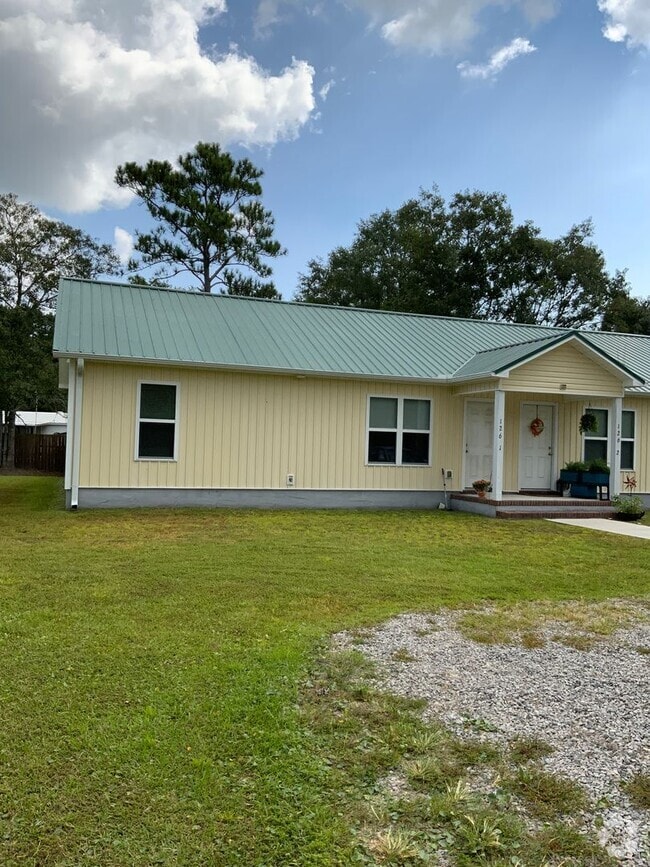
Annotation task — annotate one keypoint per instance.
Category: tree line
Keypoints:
(466, 257)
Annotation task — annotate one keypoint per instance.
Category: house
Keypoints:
(45, 423)
(181, 398)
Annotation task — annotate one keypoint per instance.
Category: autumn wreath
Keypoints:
(536, 426)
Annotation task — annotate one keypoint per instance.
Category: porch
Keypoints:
(522, 423)
(544, 505)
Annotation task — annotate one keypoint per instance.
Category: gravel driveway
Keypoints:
(592, 706)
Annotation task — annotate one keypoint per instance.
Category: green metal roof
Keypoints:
(489, 362)
(137, 323)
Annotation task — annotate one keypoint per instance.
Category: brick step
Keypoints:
(527, 511)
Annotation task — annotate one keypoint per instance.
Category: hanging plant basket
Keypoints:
(536, 426)
(588, 423)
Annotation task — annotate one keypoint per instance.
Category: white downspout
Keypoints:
(76, 433)
(615, 440)
(68, 440)
(497, 443)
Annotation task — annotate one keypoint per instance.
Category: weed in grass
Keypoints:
(403, 654)
(547, 796)
(561, 844)
(529, 749)
(532, 640)
(637, 788)
(471, 752)
(643, 650)
(479, 838)
(577, 642)
(426, 772)
(501, 625)
(427, 740)
(393, 847)
(479, 724)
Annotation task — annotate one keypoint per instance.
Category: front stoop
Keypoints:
(532, 507)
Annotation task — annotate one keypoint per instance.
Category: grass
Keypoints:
(637, 789)
(153, 665)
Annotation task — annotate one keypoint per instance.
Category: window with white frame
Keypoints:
(399, 431)
(157, 421)
(628, 433)
(596, 440)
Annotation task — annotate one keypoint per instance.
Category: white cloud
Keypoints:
(325, 89)
(498, 61)
(443, 26)
(86, 85)
(268, 13)
(123, 244)
(627, 21)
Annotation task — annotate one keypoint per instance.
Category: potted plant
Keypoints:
(597, 472)
(481, 486)
(572, 470)
(628, 508)
(588, 423)
(594, 476)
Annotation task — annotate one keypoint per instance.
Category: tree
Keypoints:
(468, 258)
(627, 314)
(211, 223)
(34, 252)
(28, 373)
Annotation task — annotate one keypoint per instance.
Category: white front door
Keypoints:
(536, 451)
(479, 432)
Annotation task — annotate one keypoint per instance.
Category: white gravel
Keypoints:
(592, 707)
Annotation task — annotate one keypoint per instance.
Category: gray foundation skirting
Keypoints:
(110, 498)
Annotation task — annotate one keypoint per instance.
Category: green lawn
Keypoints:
(151, 663)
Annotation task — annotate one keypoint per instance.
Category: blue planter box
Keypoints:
(569, 476)
(583, 492)
(595, 478)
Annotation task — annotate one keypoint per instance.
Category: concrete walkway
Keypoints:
(638, 531)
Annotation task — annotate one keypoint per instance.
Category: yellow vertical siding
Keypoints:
(565, 366)
(641, 406)
(243, 430)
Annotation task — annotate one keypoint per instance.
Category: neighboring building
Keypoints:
(41, 422)
(179, 398)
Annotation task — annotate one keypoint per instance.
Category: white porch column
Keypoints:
(497, 443)
(615, 446)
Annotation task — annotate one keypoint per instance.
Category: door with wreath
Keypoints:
(536, 447)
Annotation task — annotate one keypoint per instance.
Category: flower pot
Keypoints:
(569, 476)
(481, 495)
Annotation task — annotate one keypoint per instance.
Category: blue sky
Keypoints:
(348, 107)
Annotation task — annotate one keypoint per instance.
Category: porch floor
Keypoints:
(543, 505)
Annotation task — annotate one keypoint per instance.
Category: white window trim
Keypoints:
(628, 440)
(399, 431)
(588, 436)
(177, 386)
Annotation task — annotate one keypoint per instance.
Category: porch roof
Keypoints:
(501, 360)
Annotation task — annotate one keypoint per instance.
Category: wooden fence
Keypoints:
(41, 452)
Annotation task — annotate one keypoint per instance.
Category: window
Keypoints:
(596, 441)
(628, 424)
(399, 431)
(157, 417)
